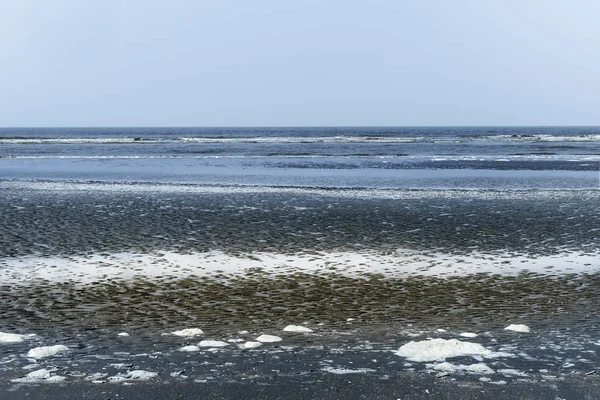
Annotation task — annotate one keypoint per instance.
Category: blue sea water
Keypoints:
(383, 158)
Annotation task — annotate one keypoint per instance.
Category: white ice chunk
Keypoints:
(297, 328)
(41, 375)
(189, 332)
(46, 351)
(124, 334)
(268, 339)
(189, 349)
(518, 328)
(251, 345)
(440, 349)
(468, 334)
(212, 343)
(14, 337)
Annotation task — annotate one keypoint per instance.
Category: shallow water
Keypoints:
(369, 248)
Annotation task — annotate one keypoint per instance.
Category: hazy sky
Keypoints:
(286, 62)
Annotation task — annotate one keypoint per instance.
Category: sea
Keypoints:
(203, 257)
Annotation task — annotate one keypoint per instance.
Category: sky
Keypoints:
(299, 63)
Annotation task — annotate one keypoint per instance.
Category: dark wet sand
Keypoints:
(474, 302)
(407, 386)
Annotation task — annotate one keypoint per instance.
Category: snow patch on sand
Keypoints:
(46, 351)
(268, 339)
(14, 337)
(518, 328)
(440, 349)
(297, 328)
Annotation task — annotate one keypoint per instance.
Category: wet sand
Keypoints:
(372, 308)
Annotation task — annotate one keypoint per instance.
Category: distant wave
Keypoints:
(307, 139)
(400, 157)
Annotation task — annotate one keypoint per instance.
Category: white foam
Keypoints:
(251, 345)
(345, 371)
(268, 339)
(404, 263)
(14, 337)
(189, 349)
(518, 328)
(212, 343)
(189, 332)
(135, 375)
(96, 377)
(41, 375)
(479, 368)
(46, 351)
(440, 349)
(512, 372)
(297, 328)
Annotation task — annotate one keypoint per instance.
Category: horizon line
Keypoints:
(286, 126)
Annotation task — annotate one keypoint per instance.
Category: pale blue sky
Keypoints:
(284, 62)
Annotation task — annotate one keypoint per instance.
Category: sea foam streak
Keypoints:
(405, 263)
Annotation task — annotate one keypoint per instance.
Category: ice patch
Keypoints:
(468, 334)
(297, 328)
(518, 328)
(189, 349)
(345, 371)
(41, 375)
(251, 345)
(479, 368)
(440, 349)
(46, 351)
(268, 339)
(14, 337)
(212, 343)
(189, 332)
(124, 334)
